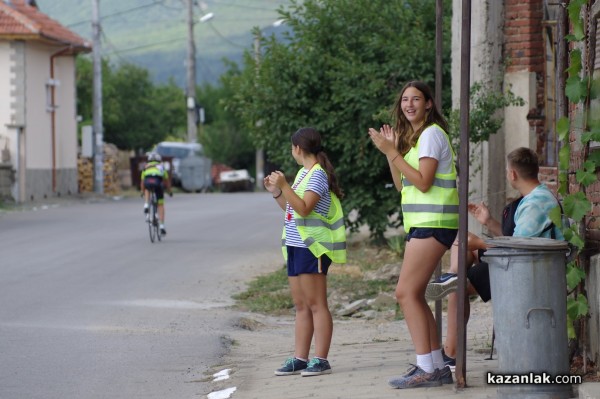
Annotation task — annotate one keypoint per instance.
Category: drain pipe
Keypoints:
(52, 109)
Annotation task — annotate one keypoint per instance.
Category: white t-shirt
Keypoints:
(433, 143)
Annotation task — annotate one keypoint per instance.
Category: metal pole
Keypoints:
(439, 44)
(97, 102)
(192, 129)
(463, 191)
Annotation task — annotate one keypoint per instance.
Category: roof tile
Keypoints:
(19, 20)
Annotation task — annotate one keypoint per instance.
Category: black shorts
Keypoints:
(444, 236)
(155, 183)
(479, 277)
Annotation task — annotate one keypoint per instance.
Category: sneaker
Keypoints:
(291, 366)
(317, 366)
(449, 361)
(446, 375)
(145, 208)
(416, 378)
(441, 286)
(163, 232)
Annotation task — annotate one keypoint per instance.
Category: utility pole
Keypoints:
(260, 155)
(192, 129)
(98, 144)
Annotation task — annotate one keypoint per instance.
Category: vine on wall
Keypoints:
(580, 89)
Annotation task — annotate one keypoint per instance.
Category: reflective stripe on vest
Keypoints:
(321, 235)
(438, 207)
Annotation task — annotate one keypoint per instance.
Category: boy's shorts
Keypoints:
(302, 261)
(444, 236)
(479, 277)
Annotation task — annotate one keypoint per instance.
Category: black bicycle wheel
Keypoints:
(151, 220)
(157, 225)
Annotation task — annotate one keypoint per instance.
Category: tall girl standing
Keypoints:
(421, 162)
(314, 235)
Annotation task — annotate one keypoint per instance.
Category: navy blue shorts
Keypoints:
(302, 261)
(444, 236)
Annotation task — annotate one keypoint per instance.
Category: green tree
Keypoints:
(136, 114)
(340, 72)
(223, 136)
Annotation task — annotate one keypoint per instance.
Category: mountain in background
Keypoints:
(153, 33)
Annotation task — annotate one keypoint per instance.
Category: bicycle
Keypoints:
(152, 218)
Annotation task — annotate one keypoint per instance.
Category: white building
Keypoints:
(38, 118)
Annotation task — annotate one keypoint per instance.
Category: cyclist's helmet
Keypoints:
(154, 156)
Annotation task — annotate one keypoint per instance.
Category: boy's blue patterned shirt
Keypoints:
(531, 217)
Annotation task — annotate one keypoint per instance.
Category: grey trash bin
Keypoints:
(528, 286)
(195, 173)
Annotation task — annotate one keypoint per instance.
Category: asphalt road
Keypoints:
(89, 308)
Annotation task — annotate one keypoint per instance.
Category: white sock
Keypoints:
(145, 205)
(299, 358)
(438, 359)
(425, 362)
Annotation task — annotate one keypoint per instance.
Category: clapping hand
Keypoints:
(384, 139)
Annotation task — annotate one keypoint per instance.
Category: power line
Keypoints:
(148, 45)
(115, 14)
(244, 6)
(224, 37)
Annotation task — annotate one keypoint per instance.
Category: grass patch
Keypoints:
(270, 294)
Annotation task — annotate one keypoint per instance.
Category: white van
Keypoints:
(178, 151)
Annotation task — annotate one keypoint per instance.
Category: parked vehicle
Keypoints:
(177, 151)
(236, 180)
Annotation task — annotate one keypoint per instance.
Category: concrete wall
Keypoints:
(485, 183)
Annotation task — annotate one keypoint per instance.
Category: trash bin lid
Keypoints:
(527, 243)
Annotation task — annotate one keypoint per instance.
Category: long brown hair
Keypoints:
(309, 140)
(406, 137)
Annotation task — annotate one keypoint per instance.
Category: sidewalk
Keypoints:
(364, 355)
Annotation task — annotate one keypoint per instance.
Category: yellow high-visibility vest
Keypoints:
(438, 207)
(321, 235)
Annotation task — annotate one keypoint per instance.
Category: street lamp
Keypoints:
(192, 119)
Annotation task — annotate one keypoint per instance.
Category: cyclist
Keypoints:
(154, 176)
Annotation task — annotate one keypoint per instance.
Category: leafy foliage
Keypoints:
(579, 88)
(223, 137)
(339, 72)
(485, 102)
(136, 113)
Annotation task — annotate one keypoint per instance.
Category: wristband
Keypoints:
(278, 195)
(393, 159)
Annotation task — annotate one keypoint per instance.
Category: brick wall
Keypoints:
(524, 51)
(524, 45)
(549, 176)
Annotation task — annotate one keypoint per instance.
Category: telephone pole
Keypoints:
(192, 129)
(98, 144)
(259, 157)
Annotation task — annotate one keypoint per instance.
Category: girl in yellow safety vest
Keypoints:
(421, 162)
(314, 235)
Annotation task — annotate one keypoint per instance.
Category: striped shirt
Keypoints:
(318, 184)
